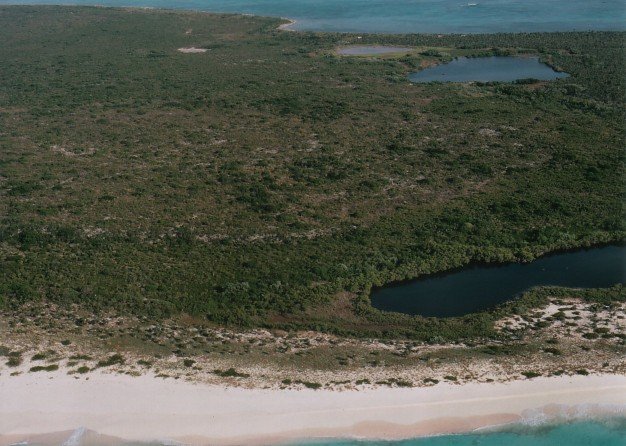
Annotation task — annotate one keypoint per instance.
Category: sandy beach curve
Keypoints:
(287, 26)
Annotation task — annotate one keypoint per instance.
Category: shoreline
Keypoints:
(146, 408)
(287, 26)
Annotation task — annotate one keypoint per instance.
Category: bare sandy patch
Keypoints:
(372, 50)
(192, 50)
(67, 151)
(287, 26)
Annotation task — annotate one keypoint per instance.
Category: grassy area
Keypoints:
(269, 182)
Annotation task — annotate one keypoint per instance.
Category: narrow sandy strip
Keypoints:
(287, 26)
(147, 408)
(192, 50)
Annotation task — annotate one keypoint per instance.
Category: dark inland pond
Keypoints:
(479, 288)
(487, 69)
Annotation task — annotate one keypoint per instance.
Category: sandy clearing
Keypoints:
(372, 50)
(192, 50)
(287, 26)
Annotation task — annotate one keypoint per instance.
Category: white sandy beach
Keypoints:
(287, 26)
(147, 408)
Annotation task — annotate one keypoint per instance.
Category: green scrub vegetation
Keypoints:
(271, 182)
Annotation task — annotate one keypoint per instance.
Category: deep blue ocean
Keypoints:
(574, 434)
(408, 16)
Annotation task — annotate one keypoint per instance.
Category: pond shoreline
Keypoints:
(487, 265)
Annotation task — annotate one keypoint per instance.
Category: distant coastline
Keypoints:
(378, 16)
(287, 26)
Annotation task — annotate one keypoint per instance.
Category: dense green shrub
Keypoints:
(251, 184)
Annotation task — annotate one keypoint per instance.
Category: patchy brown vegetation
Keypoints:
(547, 340)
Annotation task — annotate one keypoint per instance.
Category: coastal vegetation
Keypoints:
(269, 182)
(230, 373)
(546, 338)
(44, 368)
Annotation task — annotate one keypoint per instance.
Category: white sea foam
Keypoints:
(563, 413)
(76, 438)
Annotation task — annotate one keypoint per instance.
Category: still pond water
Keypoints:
(478, 288)
(372, 50)
(487, 69)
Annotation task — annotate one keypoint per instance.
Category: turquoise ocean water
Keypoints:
(574, 434)
(408, 16)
